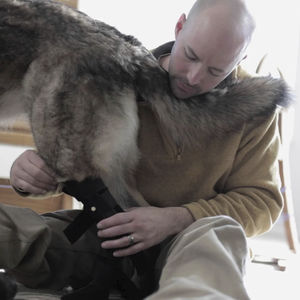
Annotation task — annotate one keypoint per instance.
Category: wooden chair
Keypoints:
(284, 172)
(288, 216)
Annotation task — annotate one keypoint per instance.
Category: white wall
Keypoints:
(152, 22)
(7, 156)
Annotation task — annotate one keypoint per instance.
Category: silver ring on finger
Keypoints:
(131, 239)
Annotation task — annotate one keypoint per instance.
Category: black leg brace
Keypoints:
(99, 204)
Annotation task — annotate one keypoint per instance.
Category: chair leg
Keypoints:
(288, 211)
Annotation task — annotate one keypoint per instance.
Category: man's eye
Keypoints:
(214, 73)
(190, 57)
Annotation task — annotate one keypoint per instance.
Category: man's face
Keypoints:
(203, 55)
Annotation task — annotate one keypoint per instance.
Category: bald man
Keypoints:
(204, 197)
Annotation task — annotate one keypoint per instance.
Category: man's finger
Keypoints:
(117, 219)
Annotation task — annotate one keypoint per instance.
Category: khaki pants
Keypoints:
(205, 261)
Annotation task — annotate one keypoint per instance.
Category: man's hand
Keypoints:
(147, 225)
(30, 174)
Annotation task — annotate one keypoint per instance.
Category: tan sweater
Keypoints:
(235, 175)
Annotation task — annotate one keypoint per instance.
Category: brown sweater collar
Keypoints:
(163, 49)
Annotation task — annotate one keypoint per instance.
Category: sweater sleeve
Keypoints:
(250, 194)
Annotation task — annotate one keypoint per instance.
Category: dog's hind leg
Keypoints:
(82, 131)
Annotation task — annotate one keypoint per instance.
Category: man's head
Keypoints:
(209, 44)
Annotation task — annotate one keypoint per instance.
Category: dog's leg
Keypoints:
(81, 131)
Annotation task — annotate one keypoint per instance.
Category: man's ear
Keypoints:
(179, 24)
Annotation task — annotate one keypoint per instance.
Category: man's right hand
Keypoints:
(30, 174)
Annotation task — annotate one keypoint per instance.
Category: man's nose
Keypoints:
(196, 74)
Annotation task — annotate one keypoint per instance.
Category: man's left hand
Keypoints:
(140, 228)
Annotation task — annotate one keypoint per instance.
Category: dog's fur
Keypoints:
(77, 80)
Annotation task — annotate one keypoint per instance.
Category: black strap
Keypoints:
(98, 204)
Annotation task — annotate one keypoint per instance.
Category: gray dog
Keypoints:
(77, 80)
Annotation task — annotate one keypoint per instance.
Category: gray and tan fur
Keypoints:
(77, 80)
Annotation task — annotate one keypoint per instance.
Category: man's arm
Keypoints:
(148, 225)
(250, 193)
